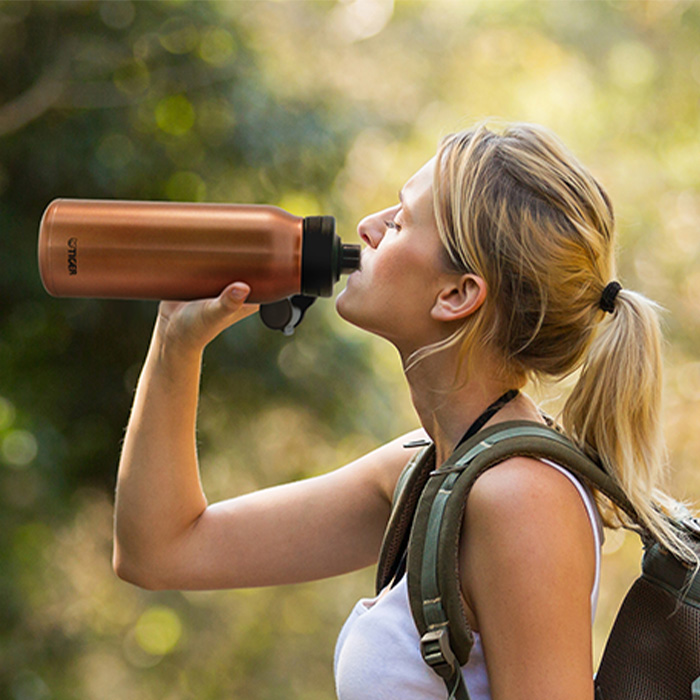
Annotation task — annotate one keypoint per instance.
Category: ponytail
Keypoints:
(614, 414)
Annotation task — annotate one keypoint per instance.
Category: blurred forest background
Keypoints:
(321, 108)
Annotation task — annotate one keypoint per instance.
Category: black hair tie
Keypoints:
(607, 298)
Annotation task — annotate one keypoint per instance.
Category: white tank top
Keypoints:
(377, 656)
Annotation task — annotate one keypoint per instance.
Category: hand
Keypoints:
(193, 324)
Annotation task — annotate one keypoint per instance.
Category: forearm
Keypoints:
(159, 493)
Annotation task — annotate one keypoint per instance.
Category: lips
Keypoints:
(363, 254)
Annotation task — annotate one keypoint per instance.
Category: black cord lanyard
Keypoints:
(472, 430)
(484, 418)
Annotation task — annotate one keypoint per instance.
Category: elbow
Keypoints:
(127, 569)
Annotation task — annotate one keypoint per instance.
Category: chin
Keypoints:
(358, 317)
(344, 307)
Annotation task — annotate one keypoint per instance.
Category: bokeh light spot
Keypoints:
(158, 630)
(19, 448)
(217, 46)
(175, 115)
(178, 35)
(355, 20)
(117, 14)
(7, 413)
(631, 64)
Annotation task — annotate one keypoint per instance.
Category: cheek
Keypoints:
(393, 284)
(387, 264)
(407, 272)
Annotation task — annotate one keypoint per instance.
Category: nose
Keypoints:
(370, 230)
(373, 227)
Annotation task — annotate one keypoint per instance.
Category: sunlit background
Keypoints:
(321, 108)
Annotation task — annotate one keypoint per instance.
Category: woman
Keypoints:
(494, 268)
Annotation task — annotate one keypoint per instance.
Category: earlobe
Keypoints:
(459, 300)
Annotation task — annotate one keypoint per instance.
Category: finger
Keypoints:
(229, 306)
(234, 296)
(238, 292)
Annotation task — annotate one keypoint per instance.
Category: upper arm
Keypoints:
(305, 530)
(527, 567)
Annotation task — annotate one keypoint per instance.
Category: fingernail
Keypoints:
(238, 293)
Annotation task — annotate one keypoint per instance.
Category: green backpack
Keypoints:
(653, 651)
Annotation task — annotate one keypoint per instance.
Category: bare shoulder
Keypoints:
(526, 492)
(524, 519)
(527, 567)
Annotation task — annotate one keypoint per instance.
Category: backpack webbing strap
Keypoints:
(406, 494)
(433, 552)
(436, 648)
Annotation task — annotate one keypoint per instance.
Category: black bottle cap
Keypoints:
(318, 274)
(324, 257)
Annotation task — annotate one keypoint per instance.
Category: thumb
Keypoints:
(229, 306)
(234, 295)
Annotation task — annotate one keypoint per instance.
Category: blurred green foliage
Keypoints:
(319, 107)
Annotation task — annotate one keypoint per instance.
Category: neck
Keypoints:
(445, 412)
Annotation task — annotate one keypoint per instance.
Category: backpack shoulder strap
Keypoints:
(406, 494)
(433, 549)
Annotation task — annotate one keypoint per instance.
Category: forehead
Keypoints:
(417, 201)
(420, 185)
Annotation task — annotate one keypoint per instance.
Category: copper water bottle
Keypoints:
(179, 251)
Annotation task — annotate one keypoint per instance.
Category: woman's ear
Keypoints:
(459, 299)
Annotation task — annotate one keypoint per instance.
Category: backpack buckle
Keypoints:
(437, 653)
(420, 442)
(692, 525)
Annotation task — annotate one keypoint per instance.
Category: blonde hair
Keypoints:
(518, 210)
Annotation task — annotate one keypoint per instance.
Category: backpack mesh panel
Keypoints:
(653, 652)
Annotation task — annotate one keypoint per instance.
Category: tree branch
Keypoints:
(35, 101)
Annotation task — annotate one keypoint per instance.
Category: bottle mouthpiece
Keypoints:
(349, 258)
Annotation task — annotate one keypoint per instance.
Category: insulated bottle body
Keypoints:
(162, 250)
